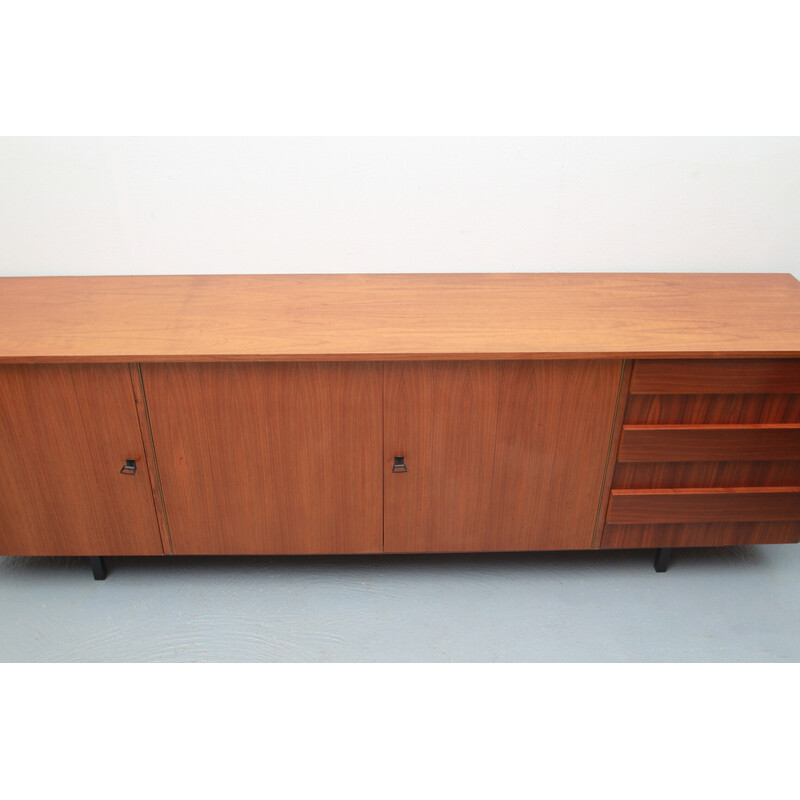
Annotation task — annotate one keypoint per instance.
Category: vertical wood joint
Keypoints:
(613, 444)
(148, 444)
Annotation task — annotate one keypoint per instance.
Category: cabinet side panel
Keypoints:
(269, 458)
(65, 433)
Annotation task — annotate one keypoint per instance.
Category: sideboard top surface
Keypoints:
(401, 316)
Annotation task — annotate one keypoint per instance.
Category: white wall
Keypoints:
(190, 205)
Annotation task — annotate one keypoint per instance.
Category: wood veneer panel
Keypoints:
(716, 376)
(712, 409)
(709, 443)
(150, 456)
(65, 433)
(269, 458)
(414, 317)
(619, 416)
(500, 455)
(750, 504)
(706, 474)
(700, 534)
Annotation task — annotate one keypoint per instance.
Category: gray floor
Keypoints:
(731, 604)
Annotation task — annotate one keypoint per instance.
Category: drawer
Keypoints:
(755, 504)
(716, 376)
(651, 443)
(700, 534)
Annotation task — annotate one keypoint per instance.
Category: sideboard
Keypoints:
(417, 413)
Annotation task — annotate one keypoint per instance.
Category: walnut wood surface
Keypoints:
(619, 416)
(65, 433)
(150, 456)
(650, 443)
(713, 409)
(269, 458)
(700, 534)
(500, 455)
(502, 400)
(706, 474)
(748, 411)
(431, 316)
(716, 376)
(710, 410)
(737, 504)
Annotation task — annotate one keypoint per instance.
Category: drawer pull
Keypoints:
(129, 468)
(399, 464)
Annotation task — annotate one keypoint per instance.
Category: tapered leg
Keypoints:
(662, 558)
(98, 567)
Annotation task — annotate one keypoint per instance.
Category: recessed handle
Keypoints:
(129, 468)
(399, 464)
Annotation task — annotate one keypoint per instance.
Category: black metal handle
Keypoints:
(399, 464)
(129, 468)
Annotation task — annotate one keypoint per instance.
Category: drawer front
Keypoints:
(716, 376)
(709, 454)
(706, 474)
(660, 506)
(658, 443)
(700, 534)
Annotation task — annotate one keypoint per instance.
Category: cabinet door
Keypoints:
(65, 433)
(269, 458)
(501, 455)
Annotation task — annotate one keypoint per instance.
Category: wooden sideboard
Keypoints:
(309, 414)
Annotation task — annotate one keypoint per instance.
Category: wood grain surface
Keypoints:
(716, 376)
(700, 534)
(431, 316)
(758, 442)
(65, 433)
(709, 410)
(269, 458)
(706, 474)
(735, 504)
(500, 455)
(713, 409)
(751, 435)
(608, 476)
(150, 456)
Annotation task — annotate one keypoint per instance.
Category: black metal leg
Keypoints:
(662, 558)
(98, 567)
